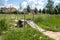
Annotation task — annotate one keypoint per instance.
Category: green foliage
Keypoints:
(26, 33)
(43, 11)
(50, 6)
(28, 9)
(35, 10)
(39, 10)
(57, 9)
(22, 12)
(49, 22)
(16, 12)
(3, 25)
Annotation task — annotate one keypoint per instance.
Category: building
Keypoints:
(7, 10)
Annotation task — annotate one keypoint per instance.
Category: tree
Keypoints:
(39, 10)
(50, 6)
(43, 11)
(35, 10)
(57, 9)
(28, 9)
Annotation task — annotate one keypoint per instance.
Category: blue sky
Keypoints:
(40, 4)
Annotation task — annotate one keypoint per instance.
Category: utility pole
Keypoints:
(41, 11)
(24, 19)
(24, 14)
(33, 16)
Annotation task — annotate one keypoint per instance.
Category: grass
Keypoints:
(49, 22)
(3, 25)
(26, 33)
(15, 16)
(46, 21)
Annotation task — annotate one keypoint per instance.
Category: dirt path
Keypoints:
(54, 35)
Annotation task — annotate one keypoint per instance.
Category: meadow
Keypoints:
(45, 21)
(48, 22)
(25, 33)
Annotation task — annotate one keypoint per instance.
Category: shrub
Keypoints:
(3, 25)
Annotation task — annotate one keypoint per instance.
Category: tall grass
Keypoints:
(3, 25)
(49, 22)
(26, 33)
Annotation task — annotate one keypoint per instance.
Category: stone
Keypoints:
(20, 23)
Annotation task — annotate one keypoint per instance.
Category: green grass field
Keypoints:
(26, 33)
(48, 22)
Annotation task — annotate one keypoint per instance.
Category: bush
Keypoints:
(3, 25)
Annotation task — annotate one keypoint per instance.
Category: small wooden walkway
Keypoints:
(54, 35)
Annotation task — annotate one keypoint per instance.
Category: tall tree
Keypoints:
(39, 10)
(35, 10)
(57, 9)
(28, 9)
(43, 11)
(20, 9)
(50, 6)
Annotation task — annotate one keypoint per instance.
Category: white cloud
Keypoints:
(12, 5)
(39, 4)
(6, 4)
(36, 3)
(56, 1)
(3, 2)
(6, 0)
(1, 6)
(24, 4)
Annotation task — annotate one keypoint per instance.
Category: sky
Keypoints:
(39, 4)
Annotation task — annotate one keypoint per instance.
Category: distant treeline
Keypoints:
(49, 9)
